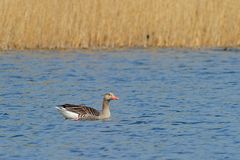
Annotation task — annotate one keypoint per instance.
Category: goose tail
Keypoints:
(59, 107)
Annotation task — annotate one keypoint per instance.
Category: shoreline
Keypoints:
(221, 49)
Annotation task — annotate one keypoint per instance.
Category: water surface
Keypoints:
(174, 104)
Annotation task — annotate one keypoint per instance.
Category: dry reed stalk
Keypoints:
(61, 24)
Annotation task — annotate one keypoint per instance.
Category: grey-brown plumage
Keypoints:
(81, 109)
(83, 112)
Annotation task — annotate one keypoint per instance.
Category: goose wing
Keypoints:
(81, 109)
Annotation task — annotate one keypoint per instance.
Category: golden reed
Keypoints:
(62, 24)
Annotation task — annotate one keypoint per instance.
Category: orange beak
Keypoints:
(115, 98)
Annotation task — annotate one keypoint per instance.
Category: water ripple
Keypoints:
(174, 104)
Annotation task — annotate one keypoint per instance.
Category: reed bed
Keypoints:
(63, 24)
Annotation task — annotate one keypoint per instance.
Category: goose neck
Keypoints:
(106, 109)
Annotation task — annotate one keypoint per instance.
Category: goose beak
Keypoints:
(115, 98)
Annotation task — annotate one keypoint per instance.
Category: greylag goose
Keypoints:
(82, 112)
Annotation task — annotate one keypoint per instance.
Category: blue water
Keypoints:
(174, 104)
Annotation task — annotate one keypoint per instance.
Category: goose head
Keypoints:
(110, 96)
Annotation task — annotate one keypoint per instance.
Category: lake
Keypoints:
(174, 104)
